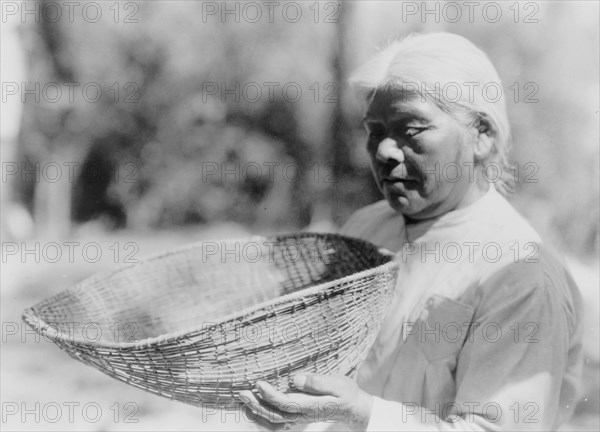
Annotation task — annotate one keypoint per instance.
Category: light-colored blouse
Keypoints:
(484, 330)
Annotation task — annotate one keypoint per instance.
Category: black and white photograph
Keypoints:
(311, 215)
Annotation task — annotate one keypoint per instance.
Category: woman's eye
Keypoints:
(412, 131)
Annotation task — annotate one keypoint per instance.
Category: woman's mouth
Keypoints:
(400, 185)
(402, 180)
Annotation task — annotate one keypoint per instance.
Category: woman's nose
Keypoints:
(389, 150)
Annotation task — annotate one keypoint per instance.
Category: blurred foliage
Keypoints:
(174, 131)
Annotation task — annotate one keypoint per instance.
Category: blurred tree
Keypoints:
(49, 200)
(340, 129)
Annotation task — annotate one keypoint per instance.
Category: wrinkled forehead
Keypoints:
(391, 102)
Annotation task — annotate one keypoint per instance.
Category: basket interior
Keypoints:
(201, 284)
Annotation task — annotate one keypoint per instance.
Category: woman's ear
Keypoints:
(484, 144)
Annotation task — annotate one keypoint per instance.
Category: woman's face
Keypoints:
(422, 158)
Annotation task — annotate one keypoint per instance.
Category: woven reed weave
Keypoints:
(203, 322)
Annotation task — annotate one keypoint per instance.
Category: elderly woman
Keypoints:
(483, 332)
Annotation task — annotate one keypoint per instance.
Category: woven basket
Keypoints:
(203, 322)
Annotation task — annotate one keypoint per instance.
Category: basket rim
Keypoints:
(47, 330)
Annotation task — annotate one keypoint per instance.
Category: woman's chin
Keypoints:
(401, 203)
(410, 206)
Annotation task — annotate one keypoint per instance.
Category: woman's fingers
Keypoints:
(316, 402)
(272, 395)
(301, 407)
(296, 407)
(261, 409)
(338, 386)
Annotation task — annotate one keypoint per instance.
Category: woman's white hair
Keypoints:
(452, 72)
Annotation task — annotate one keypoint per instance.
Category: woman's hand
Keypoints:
(324, 398)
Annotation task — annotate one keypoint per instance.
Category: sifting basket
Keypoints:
(200, 323)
